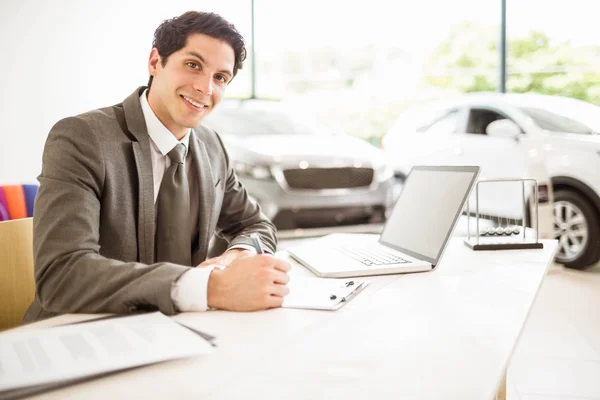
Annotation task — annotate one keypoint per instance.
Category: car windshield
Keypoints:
(241, 122)
(417, 118)
(554, 122)
(434, 116)
(561, 114)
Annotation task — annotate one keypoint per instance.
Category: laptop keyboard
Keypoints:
(373, 256)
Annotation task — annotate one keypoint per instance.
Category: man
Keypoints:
(131, 194)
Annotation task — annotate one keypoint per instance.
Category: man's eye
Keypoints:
(221, 78)
(193, 65)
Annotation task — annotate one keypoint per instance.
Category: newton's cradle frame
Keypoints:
(503, 237)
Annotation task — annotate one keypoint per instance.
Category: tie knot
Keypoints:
(177, 155)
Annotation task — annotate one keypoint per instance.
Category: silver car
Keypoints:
(301, 173)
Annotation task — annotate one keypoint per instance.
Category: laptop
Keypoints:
(413, 238)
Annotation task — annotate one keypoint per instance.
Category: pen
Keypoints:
(256, 243)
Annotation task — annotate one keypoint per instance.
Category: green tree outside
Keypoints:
(468, 61)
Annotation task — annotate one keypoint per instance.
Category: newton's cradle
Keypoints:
(508, 236)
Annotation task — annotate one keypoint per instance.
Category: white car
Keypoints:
(516, 135)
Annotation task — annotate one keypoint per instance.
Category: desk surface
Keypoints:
(445, 334)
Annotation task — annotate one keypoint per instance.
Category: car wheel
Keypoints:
(577, 229)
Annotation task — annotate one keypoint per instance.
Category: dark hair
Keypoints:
(172, 34)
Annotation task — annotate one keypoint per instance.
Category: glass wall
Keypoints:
(359, 65)
(554, 49)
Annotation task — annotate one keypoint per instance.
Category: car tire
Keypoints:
(577, 228)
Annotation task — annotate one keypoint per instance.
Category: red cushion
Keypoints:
(15, 199)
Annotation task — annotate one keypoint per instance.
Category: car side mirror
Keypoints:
(503, 128)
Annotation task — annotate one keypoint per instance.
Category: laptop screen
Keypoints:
(427, 209)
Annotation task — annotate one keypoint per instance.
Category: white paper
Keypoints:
(41, 356)
(321, 293)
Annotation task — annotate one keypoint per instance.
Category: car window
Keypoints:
(447, 123)
(554, 122)
(417, 118)
(480, 118)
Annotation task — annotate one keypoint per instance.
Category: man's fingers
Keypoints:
(274, 301)
(280, 290)
(280, 277)
(282, 265)
(267, 260)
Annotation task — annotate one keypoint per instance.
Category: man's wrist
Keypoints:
(233, 254)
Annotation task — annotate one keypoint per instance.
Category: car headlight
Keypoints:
(384, 173)
(262, 172)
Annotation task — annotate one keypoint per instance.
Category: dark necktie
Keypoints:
(173, 212)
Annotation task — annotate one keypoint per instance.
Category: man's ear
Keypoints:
(154, 62)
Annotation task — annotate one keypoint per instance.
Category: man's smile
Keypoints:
(196, 104)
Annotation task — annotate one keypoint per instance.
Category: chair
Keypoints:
(16, 201)
(17, 284)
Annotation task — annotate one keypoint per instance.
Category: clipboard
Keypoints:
(321, 293)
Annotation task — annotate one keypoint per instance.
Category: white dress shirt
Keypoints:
(189, 293)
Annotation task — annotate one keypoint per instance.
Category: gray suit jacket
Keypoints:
(93, 221)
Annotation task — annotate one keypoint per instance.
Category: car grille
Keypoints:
(328, 217)
(328, 178)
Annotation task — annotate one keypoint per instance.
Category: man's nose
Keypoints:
(204, 84)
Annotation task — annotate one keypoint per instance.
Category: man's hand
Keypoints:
(226, 259)
(249, 284)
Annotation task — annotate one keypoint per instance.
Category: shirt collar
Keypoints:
(160, 135)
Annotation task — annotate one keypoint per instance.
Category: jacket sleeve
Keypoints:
(70, 273)
(240, 216)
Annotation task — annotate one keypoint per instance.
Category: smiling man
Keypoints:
(131, 194)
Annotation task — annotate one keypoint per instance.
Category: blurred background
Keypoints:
(338, 100)
(354, 65)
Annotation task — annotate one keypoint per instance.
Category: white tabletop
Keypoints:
(446, 334)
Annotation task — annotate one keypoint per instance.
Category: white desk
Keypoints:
(446, 334)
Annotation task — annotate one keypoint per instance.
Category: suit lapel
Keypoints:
(136, 124)
(206, 185)
(146, 217)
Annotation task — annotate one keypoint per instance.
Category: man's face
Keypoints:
(192, 82)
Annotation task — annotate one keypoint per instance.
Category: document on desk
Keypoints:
(40, 357)
(321, 293)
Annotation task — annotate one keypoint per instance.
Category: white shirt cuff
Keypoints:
(190, 291)
(243, 247)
